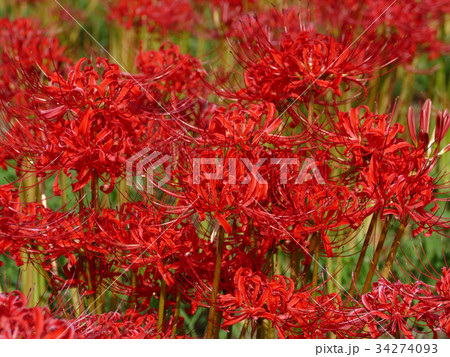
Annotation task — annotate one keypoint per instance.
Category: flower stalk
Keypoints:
(216, 284)
(376, 255)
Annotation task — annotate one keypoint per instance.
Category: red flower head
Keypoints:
(25, 47)
(18, 321)
(270, 23)
(396, 309)
(174, 72)
(112, 325)
(393, 174)
(304, 66)
(413, 25)
(159, 16)
(89, 122)
(431, 145)
(443, 290)
(256, 297)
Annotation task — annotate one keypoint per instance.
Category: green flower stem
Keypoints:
(362, 254)
(162, 305)
(392, 252)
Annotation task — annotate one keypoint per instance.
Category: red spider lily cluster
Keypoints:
(178, 189)
(305, 66)
(18, 321)
(407, 23)
(24, 45)
(174, 15)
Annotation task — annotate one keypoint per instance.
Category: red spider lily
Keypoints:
(88, 119)
(363, 134)
(112, 325)
(317, 209)
(25, 46)
(94, 258)
(195, 259)
(173, 72)
(300, 208)
(443, 286)
(144, 242)
(43, 236)
(18, 321)
(250, 182)
(219, 192)
(9, 207)
(322, 315)
(431, 145)
(3, 158)
(256, 297)
(270, 23)
(443, 289)
(392, 173)
(413, 25)
(230, 129)
(159, 16)
(396, 309)
(184, 257)
(293, 313)
(98, 116)
(302, 67)
(244, 128)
